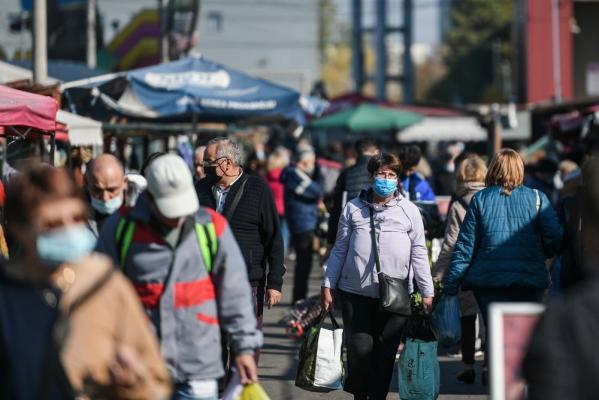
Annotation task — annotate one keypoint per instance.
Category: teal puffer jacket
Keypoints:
(504, 241)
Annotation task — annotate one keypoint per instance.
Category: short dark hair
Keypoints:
(363, 145)
(384, 160)
(409, 156)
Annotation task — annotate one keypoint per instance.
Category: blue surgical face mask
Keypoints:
(384, 187)
(62, 245)
(107, 207)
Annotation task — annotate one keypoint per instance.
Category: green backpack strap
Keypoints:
(206, 235)
(208, 243)
(124, 237)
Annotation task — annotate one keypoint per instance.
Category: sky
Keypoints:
(426, 18)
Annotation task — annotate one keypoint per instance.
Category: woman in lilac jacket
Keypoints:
(373, 335)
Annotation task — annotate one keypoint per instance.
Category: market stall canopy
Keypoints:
(189, 86)
(18, 108)
(368, 117)
(436, 129)
(82, 131)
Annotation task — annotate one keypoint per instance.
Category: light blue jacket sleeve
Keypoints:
(551, 230)
(464, 250)
(334, 265)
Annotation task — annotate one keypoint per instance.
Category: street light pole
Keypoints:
(91, 34)
(164, 45)
(40, 44)
(555, 36)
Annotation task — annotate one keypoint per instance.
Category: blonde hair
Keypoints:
(472, 169)
(507, 170)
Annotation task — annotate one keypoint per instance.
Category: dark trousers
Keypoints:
(484, 297)
(227, 357)
(302, 243)
(372, 337)
(468, 340)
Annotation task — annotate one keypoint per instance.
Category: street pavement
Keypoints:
(279, 357)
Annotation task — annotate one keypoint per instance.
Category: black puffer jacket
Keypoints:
(351, 181)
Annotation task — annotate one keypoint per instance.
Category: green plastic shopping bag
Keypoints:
(419, 374)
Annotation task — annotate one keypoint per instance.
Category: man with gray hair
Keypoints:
(247, 203)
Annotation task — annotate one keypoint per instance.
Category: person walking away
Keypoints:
(471, 174)
(561, 362)
(508, 233)
(188, 272)
(106, 184)
(248, 205)
(277, 161)
(350, 183)
(414, 186)
(302, 197)
(70, 324)
(198, 163)
(372, 334)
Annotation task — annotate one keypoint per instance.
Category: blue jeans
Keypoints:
(285, 234)
(184, 391)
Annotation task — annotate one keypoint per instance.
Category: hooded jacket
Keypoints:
(401, 244)
(504, 241)
(349, 185)
(186, 305)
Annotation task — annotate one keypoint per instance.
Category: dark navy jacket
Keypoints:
(301, 200)
(504, 242)
(27, 314)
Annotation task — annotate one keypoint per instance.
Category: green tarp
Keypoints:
(368, 117)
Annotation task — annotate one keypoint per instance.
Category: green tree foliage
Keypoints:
(477, 42)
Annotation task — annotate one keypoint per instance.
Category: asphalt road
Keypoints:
(279, 358)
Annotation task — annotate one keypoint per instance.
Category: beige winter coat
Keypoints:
(106, 322)
(455, 217)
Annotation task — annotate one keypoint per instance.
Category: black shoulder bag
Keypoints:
(394, 295)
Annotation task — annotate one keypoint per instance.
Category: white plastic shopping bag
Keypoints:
(320, 368)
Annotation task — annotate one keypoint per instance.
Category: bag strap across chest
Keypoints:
(205, 234)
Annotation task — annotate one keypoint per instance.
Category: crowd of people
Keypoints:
(153, 284)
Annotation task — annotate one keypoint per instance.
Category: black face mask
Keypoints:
(211, 174)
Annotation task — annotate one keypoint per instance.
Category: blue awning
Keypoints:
(194, 85)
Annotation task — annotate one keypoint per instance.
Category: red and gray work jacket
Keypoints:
(189, 292)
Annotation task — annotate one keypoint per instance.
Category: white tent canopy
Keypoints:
(436, 129)
(82, 131)
(466, 129)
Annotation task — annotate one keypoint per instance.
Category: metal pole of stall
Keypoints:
(408, 67)
(357, 48)
(52, 147)
(381, 50)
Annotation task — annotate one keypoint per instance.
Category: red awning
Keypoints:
(19, 108)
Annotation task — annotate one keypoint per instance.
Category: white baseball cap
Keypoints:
(171, 185)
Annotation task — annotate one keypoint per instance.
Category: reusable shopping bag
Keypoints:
(419, 374)
(446, 321)
(320, 368)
